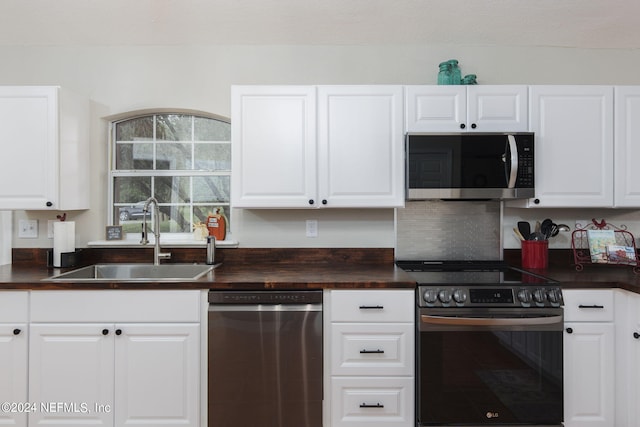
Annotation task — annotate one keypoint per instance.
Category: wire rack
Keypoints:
(584, 251)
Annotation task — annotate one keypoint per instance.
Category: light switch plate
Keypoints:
(28, 228)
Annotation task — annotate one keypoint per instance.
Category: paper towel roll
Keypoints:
(64, 239)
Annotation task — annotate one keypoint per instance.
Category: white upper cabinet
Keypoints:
(360, 146)
(476, 108)
(573, 128)
(44, 139)
(273, 146)
(627, 146)
(309, 147)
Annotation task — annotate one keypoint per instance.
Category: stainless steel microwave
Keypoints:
(470, 165)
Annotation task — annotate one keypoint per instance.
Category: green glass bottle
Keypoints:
(444, 75)
(456, 75)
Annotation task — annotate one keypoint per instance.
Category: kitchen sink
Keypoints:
(134, 273)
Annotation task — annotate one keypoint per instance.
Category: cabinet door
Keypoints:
(71, 373)
(436, 108)
(627, 148)
(13, 372)
(273, 146)
(497, 108)
(630, 348)
(589, 374)
(360, 152)
(573, 127)
(29, 144)
(157, 378)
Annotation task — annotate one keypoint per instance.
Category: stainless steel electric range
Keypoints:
(489, 345)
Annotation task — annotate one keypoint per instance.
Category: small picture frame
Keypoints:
(113, 232)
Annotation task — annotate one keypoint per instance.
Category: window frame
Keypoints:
(112, 172)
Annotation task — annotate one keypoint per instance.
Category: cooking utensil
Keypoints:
(525, 229)
(546, 228)
(518, 234)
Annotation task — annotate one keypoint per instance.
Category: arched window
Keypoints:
(181, 159)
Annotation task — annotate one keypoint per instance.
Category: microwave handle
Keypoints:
(513, 149)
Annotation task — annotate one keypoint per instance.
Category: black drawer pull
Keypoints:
(591, 306)
(636, 335)
(377, 405)
(371, 307)
(371, 351)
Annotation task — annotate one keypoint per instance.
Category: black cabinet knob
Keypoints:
(569, 330)
(473, 125)
(105, 332)
(311, 201)
(118, 331)
(462, 126)
(16, 331)
(636, 335)
(49, 204)
(536, 201)
(324, 201)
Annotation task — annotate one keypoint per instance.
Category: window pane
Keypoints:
(211, 130)
(172, 189)
(173, 127)
(135, 129)
(131, 189)
(201, 212)
(175, 219)
(173, 156)
(134, 156)
(213, 157)
(211, 189)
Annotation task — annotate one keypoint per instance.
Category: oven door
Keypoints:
(489, 367)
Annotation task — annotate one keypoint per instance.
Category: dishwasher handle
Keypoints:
(265, 307)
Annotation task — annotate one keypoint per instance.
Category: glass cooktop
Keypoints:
(468, 273)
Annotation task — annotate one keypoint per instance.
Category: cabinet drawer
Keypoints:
(115, 306)
(372, 349)
(372, 306)
(14, 306)
(593, 305)
(372, 402)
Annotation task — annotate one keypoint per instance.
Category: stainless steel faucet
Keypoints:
(157, 255)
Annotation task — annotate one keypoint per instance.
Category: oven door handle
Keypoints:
(490, 321)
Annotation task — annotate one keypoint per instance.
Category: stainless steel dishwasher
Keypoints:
(265, 358)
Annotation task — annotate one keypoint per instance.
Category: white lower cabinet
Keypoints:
(589, 358)
(369, 358)
(14, 339)
(629, 361)
(117, 370)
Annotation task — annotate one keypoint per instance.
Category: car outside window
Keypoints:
(183, 160)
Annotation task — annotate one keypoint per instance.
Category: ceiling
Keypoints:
(560, 23)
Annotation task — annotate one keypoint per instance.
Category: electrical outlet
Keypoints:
(312, 227)
(50, 223)
(28, 228)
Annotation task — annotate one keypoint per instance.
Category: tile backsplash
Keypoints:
(449, 230)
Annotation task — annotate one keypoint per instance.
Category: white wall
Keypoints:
(120, 79)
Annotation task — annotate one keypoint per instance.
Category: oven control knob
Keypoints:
(524, 296)
(539, 296)
(554, 295)
(444, 296)
(460, 296)
(430, 296)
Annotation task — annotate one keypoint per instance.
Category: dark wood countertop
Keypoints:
(312, 269)
(277, 269)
